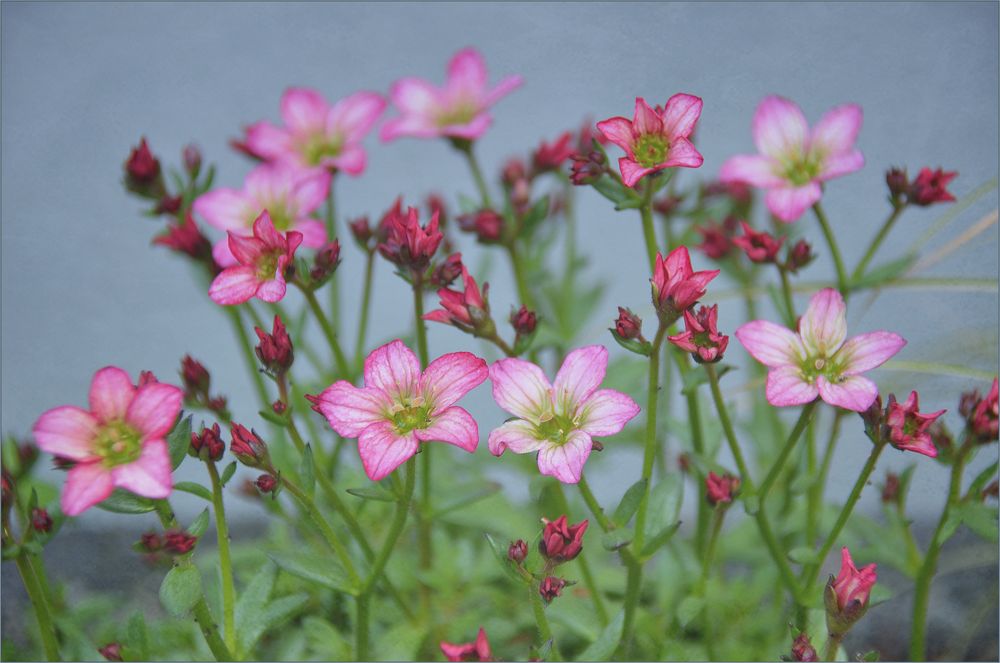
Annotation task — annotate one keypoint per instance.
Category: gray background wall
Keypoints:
(81, 82)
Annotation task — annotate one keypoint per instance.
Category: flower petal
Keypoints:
(580, 375)
(243, 247)
(382, 449)
(837, 131)
(632, 172)
(606, 412)
(409, 125)
(414, 96)
(351, 160)
(394, 369)
(646, 120)
(154, 409)
(313, 232)
(502, 89)
(450, 377)
(453, 426)
(779, 128)
(349, 409)
(86, 485)
(770, 344)
(753, 169)
(680, 114)
(111, 391)
(521, 388)
(467, 73)
(222, 255)
(823, 326)
(272, 290)
(267, 140)
(234, 285)
(785, 386)
(618, 130)
(264, 230)
(682, 153)
(517, 435)
(855, 393)
(867, 351)
(565, 461)
(842, 164)
(789, 203)
(304, 110)
(354, 116)
(150, 476)
(310, 189)
(225, 209)
(66, 431)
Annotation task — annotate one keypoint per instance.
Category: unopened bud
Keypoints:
(195, 377)
(802, 649)
(279, 407)
(192, 160)
(41, 521)
(486, 224)
(562, 542)
(150, 542)
(898, 183)
(799, 256)
(551, 587)
(361, 231)
(890, 489)
(248, 448)
(179, 543)
(111, 651)
(523, 321)
(517, 551)
(628, 325)
(326, 261)
(266, 483)
(208, 445)
(275, 349)
(446, 272)
(721, 490)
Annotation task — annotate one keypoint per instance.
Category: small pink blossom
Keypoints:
(469, 651)
(558, 420)
(288, 194)
(399, 407)
(908, 428)
(793, 162)
(262, 260)
(316, 134)
(701, 335)
(847, 596)
(406, 243)
(459, 110)
(119, 443)
(468, 310)
(931, 186)
(760, 246)
(656, 138)
(676, 286)
(817, 361)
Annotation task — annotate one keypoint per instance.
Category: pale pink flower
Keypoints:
(793, 162)
(656, 138)
(817, 361)
(316, 134)
(119, 443)
(288, 194)
(558, 420)
(460, 109)
(262, 261)
(399, 407)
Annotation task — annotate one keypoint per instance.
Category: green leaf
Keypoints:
(228, 473)
(643, 348)
(194, 489)
(979, 483)
(181, 589)
(659, 540)
(200, 524)
(689, 608)
(537, 213)
(868, 657)
(269, 415)
(251, 604)
(630, 502)
(376, 493)
(604, 647)
(664, 505)
(138, 637)
(980, 518)
(500, 552)
(307, 471)
(179, 441)
(617, 538)
(322, 571)
(122, 501)
(884, 273)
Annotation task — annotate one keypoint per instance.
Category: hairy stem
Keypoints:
(225, 560)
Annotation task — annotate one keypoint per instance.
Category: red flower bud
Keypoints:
(248, 448)
(326, 261)
(802, 649)
(560, 541)
(549, 157)
(111, 651)
(446, 272)
(930, 187)
(799, 256)
(486, 224)
(169, 205)
(513, 172)
(142, 168)
(150, 542)
(701, 336)
(721, 490)
(186, 238)
(676, 286)
(760, 247)
(551, 587)
(628, 325)
(266, 483)
(192, 159)
(409, 245)
(517, 551)
(587, 168)
(846, 596)
(279, 407)
(41, 521)
(898, 183)
(195, 377)
(208, 445)
(361, 231)
(179, 543)
(982, 413)
(275, 349)
(908, 428)
(523, 321)
(469, 651)
(890, 489)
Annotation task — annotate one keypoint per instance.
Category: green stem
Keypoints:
(328, 331)
(595, 508)
(697, 443)
(812, 503)
(832, 645)
(395, 529)
(251, 358)
(359, 342)
(331, 234)
(786, 291)
(210, 630)
(419, 325)
(581, 561)
(424, 534)
(648, 230)
(727, 427)
(544, 630)
(706, 571)
(465, 147)
(517, 266)
(831, 242)
(225, 561)
(649, 447)
(40, 603)
(859, 271)
(793, 437)
(922, 595)
(361, 628)
(324, 528)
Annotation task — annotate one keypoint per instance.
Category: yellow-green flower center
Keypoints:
(802, 170)
(320, 147)
(267, 265)
(556, 429)
(461, 113)
(413, 417)
(651, 150)
(118, 443)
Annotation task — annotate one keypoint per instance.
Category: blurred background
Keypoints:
(82, 288)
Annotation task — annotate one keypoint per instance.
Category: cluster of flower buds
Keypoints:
(275, 350)
(325, 263)
(551, 587)
(928, 188)
(721, 489)
(172, 542)
(846, 596)
(487, 225)
(185, 237)
(561, 542)
(701, 335)
(207, 445)
(902, 425)
(408, 245)
(588, 167)
(468, 651)
(981, 413)
(197, 383)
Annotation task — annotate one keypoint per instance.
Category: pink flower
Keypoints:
(760, 246)
(316, 134)
(930, 187)
(558, 420)
(262, 259)
(721, 489)
(701, 335)
(399, 407)
(817, 361)
(562, 542)
(676, 286)
(289, 195)
(793, 162)
(468, 310)
(469, 651)
(656, 138)
(458, 110)
(119, 443)
(908, 427)
(407, 244)
(847, 596)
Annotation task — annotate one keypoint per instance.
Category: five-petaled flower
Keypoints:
(262, 259)
(908, 428)
(931, 186)
(288, 194)
(316, 134)
(676, 286)
(793, 162)
(817, 361)
(656, 138)
(459, 110)
(760, 246)
(469, 651)
(701, 335)
(120, 442)
(399, 407)
(846, 596)
(558, 420)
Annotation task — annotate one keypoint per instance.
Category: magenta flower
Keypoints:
(262, 260)
(908, 427)
(399, 407)
(288, 194)
(458, 110)
(118, 443)
(656, 138)
(316, 134)
(558, 420)
(846, 596)
(793, 162)
(817, 361)
(468, 651)
(676, 286)
(467, 310)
